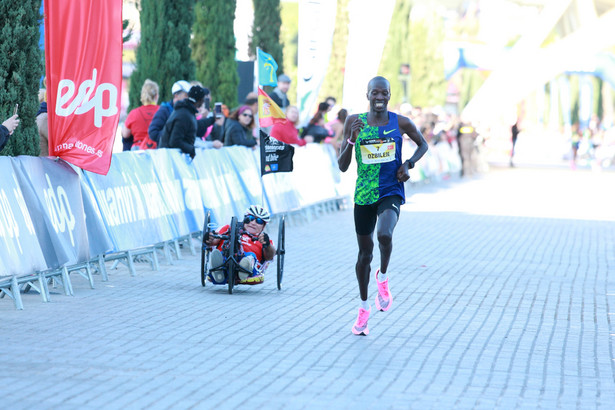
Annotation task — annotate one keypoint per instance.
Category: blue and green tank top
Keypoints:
(378, 154)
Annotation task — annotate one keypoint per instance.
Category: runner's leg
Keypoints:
(365, 217)
(386, 224)
(362, 268)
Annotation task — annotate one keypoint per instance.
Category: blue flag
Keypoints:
(267, 69)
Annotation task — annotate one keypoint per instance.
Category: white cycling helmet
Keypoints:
(259, 212)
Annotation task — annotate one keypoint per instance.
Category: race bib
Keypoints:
(377, 150)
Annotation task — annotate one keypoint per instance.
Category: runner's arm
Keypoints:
(408, 127)
(351, 131)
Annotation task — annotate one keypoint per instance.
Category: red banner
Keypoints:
(83, 54)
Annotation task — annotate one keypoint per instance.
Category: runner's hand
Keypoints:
(356, 127)
(402, 173)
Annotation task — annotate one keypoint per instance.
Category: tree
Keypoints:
(266, 30)
(397, 52)
(164, 52)
(289, 35)
(333, 85)
(21, 69)
(428, 83)
(213, 49)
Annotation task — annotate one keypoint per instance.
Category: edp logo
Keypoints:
(84, 101)
(59, 209)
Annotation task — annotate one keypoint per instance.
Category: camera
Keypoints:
(218, 109)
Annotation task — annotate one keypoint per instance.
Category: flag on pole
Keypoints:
(268, 111)
(267, 69)
(276, 156)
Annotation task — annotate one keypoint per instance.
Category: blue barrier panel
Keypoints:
(124, 209)
(52, 191)
(280, 192)
(193, 200)
(20, 251)
(231, 180)
(248, 174)
(171, 186)
(312, 176)
(215, 195)
(98, 237)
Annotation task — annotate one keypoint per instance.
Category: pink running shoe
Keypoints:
(360, 326)
(384, 299)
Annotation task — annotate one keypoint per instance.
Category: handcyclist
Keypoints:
(375, 139)
(256, 247)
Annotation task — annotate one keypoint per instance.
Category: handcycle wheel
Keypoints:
(280, 252)
(204, 249)
(232, 264)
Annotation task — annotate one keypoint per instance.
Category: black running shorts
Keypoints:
(365, 215)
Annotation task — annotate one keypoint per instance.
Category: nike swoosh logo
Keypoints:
(383, 302)
(388, 132)
(395, 206)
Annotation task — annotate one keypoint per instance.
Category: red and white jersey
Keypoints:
(247, 244)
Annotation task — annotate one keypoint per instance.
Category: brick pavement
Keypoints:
(502, 300)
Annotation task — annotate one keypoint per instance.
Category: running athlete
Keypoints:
(375, 139)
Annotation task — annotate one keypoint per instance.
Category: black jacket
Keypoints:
(4, 136)
(180, 129)
(237, 134)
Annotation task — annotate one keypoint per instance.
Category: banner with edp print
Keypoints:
(83, 55)
(20, 252)
(52, 192)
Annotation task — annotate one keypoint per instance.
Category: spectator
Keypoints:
(180, 91)
(337, 127)
(135, 129)
(180, 129)
(238, 128)
(331, 103)
(7, 128)
(41, 122)
(287, 132)
(279, 95)
(219, 126)
(316, 128)
(466, 137)
(252, 102)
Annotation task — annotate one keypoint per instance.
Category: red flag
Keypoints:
(268, 111)
(83, 54)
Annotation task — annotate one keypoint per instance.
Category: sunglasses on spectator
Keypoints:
(250, 218)
(247, 115)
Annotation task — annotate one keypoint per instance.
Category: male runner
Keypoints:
(375, 138)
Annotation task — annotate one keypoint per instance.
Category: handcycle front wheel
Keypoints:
(280, 252)
(232, 264)
(205, 249)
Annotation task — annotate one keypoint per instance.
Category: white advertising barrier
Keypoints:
(185, 173)
(216, 196)
(20, 252)
(170, 186)
(52, 192)
(98, 236)
(280, 193)
(312, 176)
(247, 168)
(131, 204)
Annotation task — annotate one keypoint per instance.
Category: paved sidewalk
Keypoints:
(502, 300)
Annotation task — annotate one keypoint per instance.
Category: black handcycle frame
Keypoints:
(231, 250)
